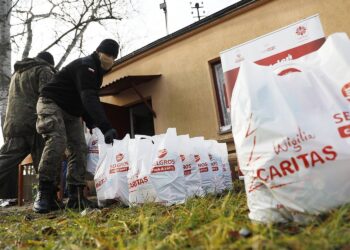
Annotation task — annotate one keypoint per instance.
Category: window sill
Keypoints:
(225, 129)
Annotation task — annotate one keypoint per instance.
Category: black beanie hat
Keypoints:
(109, 47)
(47, 57)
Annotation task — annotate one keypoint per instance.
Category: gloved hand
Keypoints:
(110, 135)
(91, 128)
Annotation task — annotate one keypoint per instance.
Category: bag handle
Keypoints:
(285, 68)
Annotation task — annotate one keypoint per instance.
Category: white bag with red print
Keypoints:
(292, 133)
(226, 166)
(111, 176)
(191, 171)
(216, 165)
(141, 189)
(167, 175)
(201, 156)
(93, 150)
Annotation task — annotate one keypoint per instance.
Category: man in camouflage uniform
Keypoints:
(70, 95)
(21, 138)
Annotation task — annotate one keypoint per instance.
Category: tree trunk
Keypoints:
(5, 54)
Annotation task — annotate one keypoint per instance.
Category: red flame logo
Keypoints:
(162, 153)
(119, 157)
(301, 30)
(197, 158)
(346, 91)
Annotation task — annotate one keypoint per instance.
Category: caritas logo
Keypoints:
(119, 157)
(301, 30)
(197, 158)
(346, 91)
(162, 153)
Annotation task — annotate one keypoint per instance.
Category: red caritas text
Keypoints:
(294, 164)
(138, 182)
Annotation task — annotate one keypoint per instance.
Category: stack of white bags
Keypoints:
(165, 169)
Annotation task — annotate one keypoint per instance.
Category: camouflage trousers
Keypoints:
(12, 153)
(60, 131)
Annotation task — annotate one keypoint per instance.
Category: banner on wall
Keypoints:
(287, 43)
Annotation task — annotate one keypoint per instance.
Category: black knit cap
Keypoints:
(47, 57)
(109, 47)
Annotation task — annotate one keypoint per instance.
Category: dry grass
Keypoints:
(207, 223)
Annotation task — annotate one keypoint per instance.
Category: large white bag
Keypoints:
(141, 189)
(216, 165)
(201, 156)
(292, 133)
(227, 175)
(111, 176)
(93, 150)
(192, 176)
(167, 175)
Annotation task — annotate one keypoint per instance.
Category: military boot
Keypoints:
(77, 200)
(44, 197)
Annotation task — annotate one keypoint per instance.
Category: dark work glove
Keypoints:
(110, 135)
(90, 129)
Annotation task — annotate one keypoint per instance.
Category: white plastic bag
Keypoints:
(167, 175)
(225, 166)
(292, 133)
(141, 189)
(93, 150)
(191, 172)
(201, 155)
(111, 176)
(216, 165)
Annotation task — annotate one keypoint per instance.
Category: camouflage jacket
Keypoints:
(30, 76)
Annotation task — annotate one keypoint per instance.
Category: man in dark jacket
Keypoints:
(21, 138)
(70, 95)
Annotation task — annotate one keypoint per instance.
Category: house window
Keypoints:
(225, 118)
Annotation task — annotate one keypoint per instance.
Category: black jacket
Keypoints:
(75, 90)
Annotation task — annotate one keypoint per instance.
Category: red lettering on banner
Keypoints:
(291, 166)
(296, 52)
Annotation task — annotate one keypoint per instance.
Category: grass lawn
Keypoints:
(206, 223)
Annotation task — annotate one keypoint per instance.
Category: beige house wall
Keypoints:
(184, 97)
